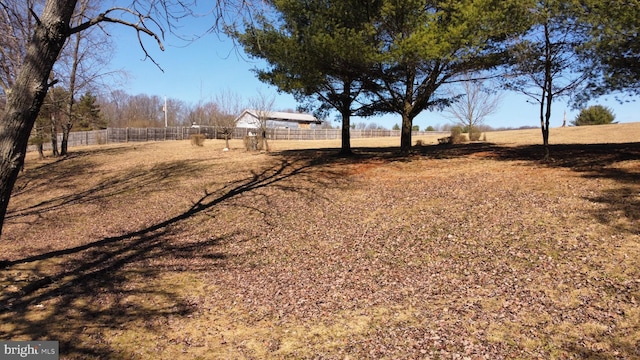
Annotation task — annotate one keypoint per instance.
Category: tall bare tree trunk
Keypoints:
(68, 122)
(547, 95)
(28, 92)
(54, 135)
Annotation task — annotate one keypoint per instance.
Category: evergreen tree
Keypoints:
(87, 112)
(594, 115)
(614, 27)
(318, 51)
(427, 44)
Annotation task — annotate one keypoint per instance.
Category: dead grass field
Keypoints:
(473, 251)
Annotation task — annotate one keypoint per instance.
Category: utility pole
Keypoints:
(164, 108)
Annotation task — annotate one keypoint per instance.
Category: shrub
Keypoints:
(197, 139)
(474, 134)
(594, 115)
(456, 135)
(253, 142)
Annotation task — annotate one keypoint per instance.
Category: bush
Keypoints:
(456, 135)
(594, 115)
(253, 143)
(474, 134)
(197, 139)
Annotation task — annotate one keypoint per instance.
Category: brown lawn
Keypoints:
(473, 251)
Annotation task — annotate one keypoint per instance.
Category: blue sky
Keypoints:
(210, 65)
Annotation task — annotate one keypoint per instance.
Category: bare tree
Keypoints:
(474, 103)
(228, 107)
(547, 59)
(16, 28)
(120, 109)
(199, 113)
(82, 64)
(112, 106)
(175, 111)
(151, 18)
(144, 110)
(262, 105)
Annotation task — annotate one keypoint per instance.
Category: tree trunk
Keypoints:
(64, 144)
(40, 148)
(264, 139)
(407, 117)
(545, 144)
(545, 130)
(405, 134)
(544, 126)
(68, 124)
(344, 106)
(345, 149)
(28, 92)
(547, 95)
(54, 137)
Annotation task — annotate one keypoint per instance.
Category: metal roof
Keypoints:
(283, 116)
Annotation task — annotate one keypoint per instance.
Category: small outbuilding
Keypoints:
(275, 119)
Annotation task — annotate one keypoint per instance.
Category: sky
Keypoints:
(201, 69)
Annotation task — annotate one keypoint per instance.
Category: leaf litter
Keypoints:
(273, 256)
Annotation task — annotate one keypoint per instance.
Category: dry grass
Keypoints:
(477, 251)
(603, 134)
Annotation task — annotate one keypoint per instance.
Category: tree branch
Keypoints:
(35, 16)
(140, 27)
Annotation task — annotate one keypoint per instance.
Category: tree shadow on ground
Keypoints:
(597, 161)
(74, 293)
(139, 180)
(61, 169)
(593, 161)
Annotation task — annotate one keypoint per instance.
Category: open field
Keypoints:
(473, 251)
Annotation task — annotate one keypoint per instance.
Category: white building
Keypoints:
(275, 119)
